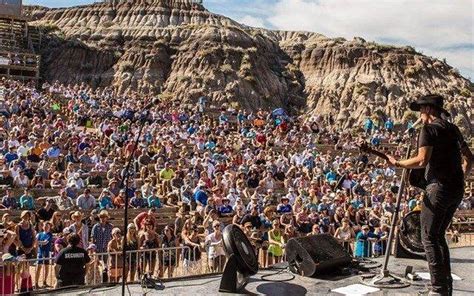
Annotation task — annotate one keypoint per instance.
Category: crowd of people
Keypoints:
(264, 171)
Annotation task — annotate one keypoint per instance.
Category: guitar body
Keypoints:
(416, 178)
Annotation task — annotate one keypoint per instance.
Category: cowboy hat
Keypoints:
(104, 213)
(76, 214)
(431, 100)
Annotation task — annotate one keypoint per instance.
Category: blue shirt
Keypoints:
(284, 208)
(138, 202)
(154, 202)
(105, 203)
(389, 125)
(83, 145)
(201, 197)
(27, 202)
(368, 124)
(331, 176)
(191, 130)
(53, 152)
(223, 119)
(9, 202)
(225, 209)
(9, 157)
(46, 248)
(101, 234)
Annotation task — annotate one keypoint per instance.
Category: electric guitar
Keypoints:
(416, 177)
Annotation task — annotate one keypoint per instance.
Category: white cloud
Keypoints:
(252, 21)
(438, 27)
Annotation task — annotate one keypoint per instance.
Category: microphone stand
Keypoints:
(386, 279)
(125, 181)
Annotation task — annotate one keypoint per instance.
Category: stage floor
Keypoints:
(462, 260)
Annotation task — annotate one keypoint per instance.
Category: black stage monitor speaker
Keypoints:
(241, 260)
(311, 255)
(408, 239)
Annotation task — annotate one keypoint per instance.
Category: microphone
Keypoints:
(153, 102)
(413, 127)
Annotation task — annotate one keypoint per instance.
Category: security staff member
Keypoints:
(72, 262)
(447, 160)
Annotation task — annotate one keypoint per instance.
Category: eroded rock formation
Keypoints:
(185, 51)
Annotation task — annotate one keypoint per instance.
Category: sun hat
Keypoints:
(24, 213)
(431, 100)
(104, 213)
(76, 214)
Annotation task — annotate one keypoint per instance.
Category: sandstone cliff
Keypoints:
(184, 51)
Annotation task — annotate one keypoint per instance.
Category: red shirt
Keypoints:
(142, 217)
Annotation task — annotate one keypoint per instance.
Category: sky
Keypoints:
(437, 28)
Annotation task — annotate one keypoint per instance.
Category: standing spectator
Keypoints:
(45, 242)
(26, 235)
(215, 246)
(192, 254)
(149, 241)
(72, 262)
(101, 232)
(364, 239)
(145, 217)
(94, 268)
(80, 229)
(57, 223)
(115, 259)
(276, 243)
(168, 257)
(131, 245)
(345, 235)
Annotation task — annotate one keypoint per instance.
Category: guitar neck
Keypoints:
(378, 154)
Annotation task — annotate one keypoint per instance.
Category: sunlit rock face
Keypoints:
(184, 51)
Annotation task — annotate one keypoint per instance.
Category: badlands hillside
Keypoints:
(184, 51)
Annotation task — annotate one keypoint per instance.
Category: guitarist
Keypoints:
(447, 160)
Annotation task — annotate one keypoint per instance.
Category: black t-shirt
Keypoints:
(255, 220)
(72, 261)
(445, 165)
(45, 215)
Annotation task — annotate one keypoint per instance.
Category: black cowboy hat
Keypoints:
(432, 100)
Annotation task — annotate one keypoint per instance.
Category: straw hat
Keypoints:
(76, 214)
(24, 213)
(104, 213)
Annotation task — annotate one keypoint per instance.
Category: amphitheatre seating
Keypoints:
(464, 220)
